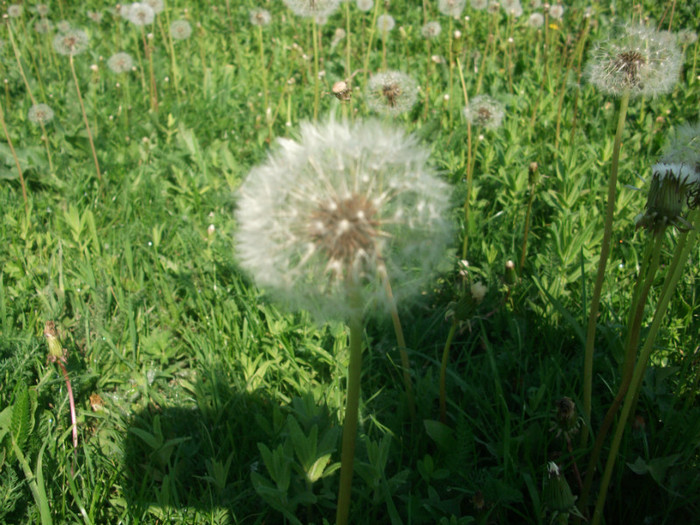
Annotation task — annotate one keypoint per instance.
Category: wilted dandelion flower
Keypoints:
(312, 8)
(642, 61)
(260, 17)
(180, 29)
(140, 14)
(120, 62)
(156, 5)
(479, 5)
(15, 10)
(71, 43)
(43, 26)
(556, 12)
(452, 8)
(385, 23)
(40, 114)
(391, 92)
(325, 216)
(364, 5)
(536, 20)
(484, 111)
(431, 30)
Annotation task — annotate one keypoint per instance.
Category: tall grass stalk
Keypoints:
(36, 482)
(602, 265)
(16, 159)
(470, 164)
(85, 119)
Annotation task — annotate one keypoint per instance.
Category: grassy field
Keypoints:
(200, 398)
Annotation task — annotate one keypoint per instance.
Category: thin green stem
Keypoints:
(36, 483)
(16, 159)
(443, 371)
(351, 410)
(523, 252)
(85, 119)
(602, 264)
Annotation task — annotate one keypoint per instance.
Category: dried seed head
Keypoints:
(70, 43)
(391, 92)
(40, 114)
(484, 111)
(341, 90)
(260, 17)
(180, 29)
(451, 8)
(120, 63)
(312, 8)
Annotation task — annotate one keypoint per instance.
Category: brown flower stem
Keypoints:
(151, 75)
(16, 159)
(85, 119)
(19, 64)
(73, 418)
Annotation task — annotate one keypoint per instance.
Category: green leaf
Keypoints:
(440, 433)
(21, 418)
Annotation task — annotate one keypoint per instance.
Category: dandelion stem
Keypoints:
(470, 165)
(681, 253)
(14, 156)
(523, 253)
(73, 418)
(85, 119)
(602, 264)
(317, 87)
(351, 408)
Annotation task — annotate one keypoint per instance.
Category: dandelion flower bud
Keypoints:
(533, 174)
(55, 348)
(40, 114)
(120, 63)
(451, 8)
(642, 61)
(341, 90)
(391, 92)
(510, 276)
(70, 43)
(260, 17)
(557, 494)
(484, 111)
(326, 215)
(670, 186)
(180, 30)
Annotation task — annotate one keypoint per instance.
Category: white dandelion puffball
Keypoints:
(431, 30)
(484, 111)
(391, 92)
(180, 29)
(556, 12)
(451, 8)
(120, 63)
(536, 20)
(364, 5)
(260, 17)
(141, 14)
(641, 61)
(326, 215)
(385, 23)
(40, 114)
(312, 8)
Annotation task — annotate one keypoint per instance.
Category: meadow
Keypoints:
(155, 364)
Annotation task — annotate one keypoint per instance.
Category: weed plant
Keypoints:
(199, 400)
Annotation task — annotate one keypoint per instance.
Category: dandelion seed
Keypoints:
(260, 17)
(15, 11)
(335, 209)
(312, 8)
(642, 61)
(140, 14)
(180, 29)
(451, 8)
(484, 111)
(431, 30)
(71, 43)
(391, 92)
(535, 20)
(479, 5)
(40, 114)
(120, 63)
(556, 12)
(364, 5)
(385, 23)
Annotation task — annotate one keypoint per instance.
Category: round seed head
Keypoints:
(180, 29)
(40, 114)
(385, 23)
(312, 8)
(15, 10)
(63, 26)
(479, 5)
(71, 43)
(260, 17)
(335, 210)
(556, 12)
(431, 30)
(536, 20)
(484, 111)
(43, 26)
(642, 61)
(686, 37)
(42, 9)
(156, 5)
(512, 7)
(364, 5)
(391, 92)
(451, 8)
(95, 16)
(140, 14)
(120, 63)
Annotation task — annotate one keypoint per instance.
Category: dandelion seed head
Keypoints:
(140, 14)
(391, 92)
(686, 37)
(260, 17)
(642, 61)
(512, 7)
(43, 26)
(156, 5)
(95, 16)
(42, 9)
(63, 26)
(180, 29)
(335, 209)
(385, 23)
(15, 10)
(556, 12)
(431, 30)
(479, 5)
(312, 8)
(535, 20)
(120, 63)
(364, 5)
(484, 111)
(40, 114)
(451, 8)
(71, 43)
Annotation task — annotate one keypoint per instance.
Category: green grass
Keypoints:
(199, 401)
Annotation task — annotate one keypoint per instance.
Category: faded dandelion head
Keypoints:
(391, 92)
(63, 26)
(180, 30)
(385, 23)
(95, 16)
(42, 9)
(493, 7)
(642, 61)
(156, 5)
(260, 17)
(71, 43)
(451, 8)
(512, 7)
(312, 8)
(40, 114)
(479, 5)
(325, 216)
(556, 12)
(140, 14)
(15, 10)
(43, 26)
(120, 63)
(484, 111)
(364, 5)
(686, 37)
(536, 20)
(431, 30)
